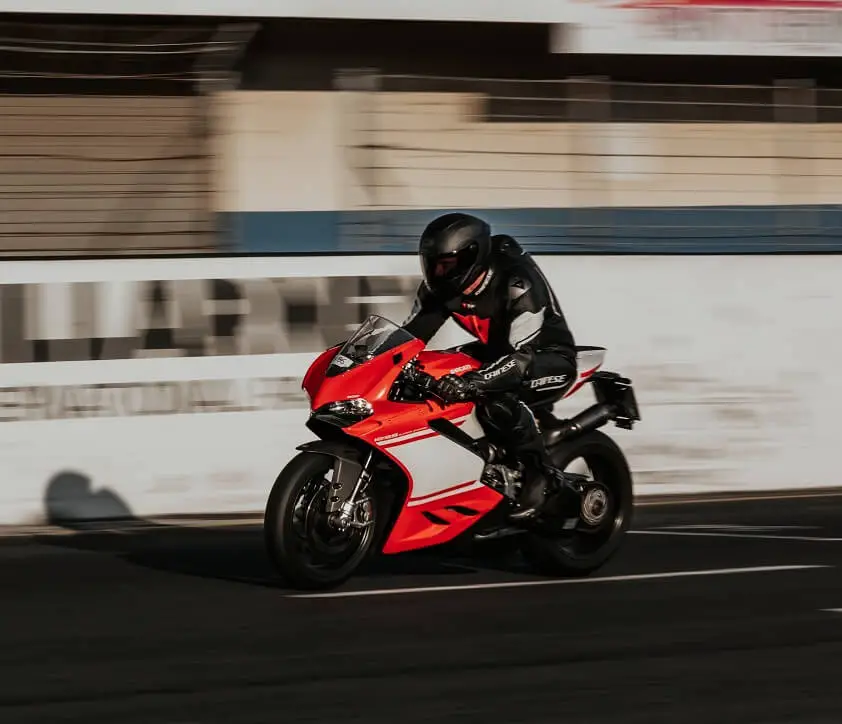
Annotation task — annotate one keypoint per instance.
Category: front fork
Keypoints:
(355, 510)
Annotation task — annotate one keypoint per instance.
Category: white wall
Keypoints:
(295, 151)
(733, 358)
(734, 361)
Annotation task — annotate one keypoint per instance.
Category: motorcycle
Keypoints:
(395, 468)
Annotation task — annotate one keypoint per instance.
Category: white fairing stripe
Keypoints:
(406, 437)
(526, 327)
(446, 494)
(435, 464)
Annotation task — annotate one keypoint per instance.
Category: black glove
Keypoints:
(456, 389)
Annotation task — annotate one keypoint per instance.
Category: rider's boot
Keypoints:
(532, 493)
(537, 477)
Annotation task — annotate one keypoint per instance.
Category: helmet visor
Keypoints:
(450, 268)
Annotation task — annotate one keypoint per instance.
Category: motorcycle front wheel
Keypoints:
(305, 548)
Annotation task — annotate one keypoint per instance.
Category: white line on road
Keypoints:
(832, 610)
(730, 527)
(758, 497)
(703, 534)
(554, 582)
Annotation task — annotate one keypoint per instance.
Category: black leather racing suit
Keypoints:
(527, 352)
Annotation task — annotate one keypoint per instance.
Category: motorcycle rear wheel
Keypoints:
(590, 545)
(305, 550)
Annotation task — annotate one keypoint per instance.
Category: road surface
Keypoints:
(182, 625)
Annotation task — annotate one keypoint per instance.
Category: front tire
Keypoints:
(307, 552)
(589, 546)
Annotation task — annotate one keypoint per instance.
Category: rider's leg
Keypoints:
(508, 419)
(551, 375)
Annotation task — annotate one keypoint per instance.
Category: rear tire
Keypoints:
(305, 551)
(587, 548)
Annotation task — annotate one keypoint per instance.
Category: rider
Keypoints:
(494, 290)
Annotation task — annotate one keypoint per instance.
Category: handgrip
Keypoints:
(425, 382)
(431, 385)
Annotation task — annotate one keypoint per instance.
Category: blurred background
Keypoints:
(193, 205)
(197, 197)
(134, 134)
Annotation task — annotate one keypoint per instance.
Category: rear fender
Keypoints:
(347, 468)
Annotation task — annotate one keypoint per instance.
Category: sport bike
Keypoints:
(396, 469)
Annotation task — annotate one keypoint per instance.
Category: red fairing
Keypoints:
(401, 432)
(413, 530)
(372, 380)
(439, 364)
(439, 474)
(316, 372)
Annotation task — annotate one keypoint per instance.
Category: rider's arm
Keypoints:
(535, 323)
(426, 317)
(525, 310)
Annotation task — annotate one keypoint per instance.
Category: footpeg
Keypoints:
(497, 534)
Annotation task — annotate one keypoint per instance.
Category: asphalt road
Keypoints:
(179, 625)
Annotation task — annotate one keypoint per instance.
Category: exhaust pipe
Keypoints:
(590, 419)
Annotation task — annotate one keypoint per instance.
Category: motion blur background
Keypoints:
(193, 206)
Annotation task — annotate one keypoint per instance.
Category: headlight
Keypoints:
(358, 407)
(344, 412)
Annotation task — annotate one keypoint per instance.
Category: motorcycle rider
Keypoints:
(495, 291)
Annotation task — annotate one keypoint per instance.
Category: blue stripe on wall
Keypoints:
(678, 230)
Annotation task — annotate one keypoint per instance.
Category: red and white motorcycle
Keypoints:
(397, 469)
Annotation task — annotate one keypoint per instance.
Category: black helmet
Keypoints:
(454, 251)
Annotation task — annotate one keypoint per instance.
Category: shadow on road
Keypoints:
(102, 522)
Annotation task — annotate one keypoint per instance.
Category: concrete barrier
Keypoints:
(153, 387)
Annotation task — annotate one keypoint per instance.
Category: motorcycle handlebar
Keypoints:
(428, 383)
(425, 381)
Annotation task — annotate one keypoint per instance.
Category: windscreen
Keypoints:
(373, 337)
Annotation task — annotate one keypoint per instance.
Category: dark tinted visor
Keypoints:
(450, 267)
